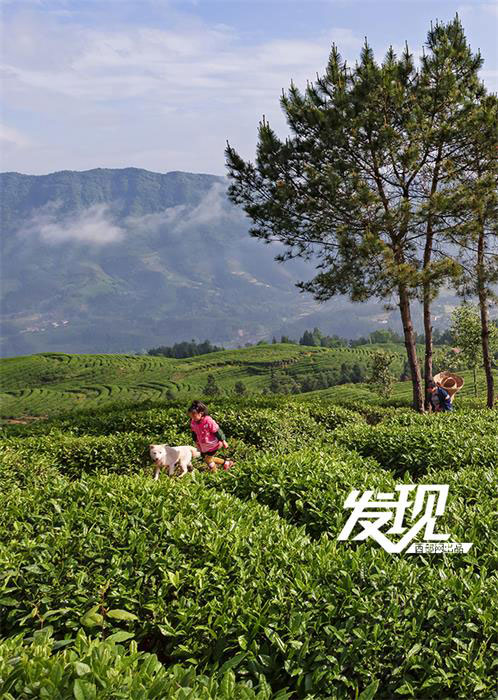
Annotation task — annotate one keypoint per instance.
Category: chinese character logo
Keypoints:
(373, 514)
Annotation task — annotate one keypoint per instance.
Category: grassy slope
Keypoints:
(53, 382)
(402, 390)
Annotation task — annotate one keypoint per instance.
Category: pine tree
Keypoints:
(211, 388)
(240, 388)
(381, 378)
(449, 88)
(354, 186)
(475, 208)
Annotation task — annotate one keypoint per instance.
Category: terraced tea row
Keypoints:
(242, 569)
(51, 383)
(201, 577)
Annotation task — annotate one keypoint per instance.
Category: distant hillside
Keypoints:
(123, 260)
(54, 382)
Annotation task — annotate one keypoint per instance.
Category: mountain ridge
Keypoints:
(120, 260)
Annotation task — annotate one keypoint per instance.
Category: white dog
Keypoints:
(165, 456)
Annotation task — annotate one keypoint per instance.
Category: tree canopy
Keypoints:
(374, 153)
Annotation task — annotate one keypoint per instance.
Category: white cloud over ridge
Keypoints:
(213, 209)
(97, 225)
(91, 226)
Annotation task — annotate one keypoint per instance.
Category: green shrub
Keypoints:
(377, 411)
(307, 487)
(203, 578)
(285, 429)
(104, 669)
(427, 442)
(107, 422)
(25, 459)
(470, 515)
(333, 417)
(482, 422)
(72, 456)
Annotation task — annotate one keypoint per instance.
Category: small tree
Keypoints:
(447, 358)
(357, 373)
(405, 373)
(211, 388)
(307, 339)
(240, 388)
(467, 332)
(345, 376)
(381, 378)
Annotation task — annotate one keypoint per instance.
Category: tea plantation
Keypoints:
(51, 382)
(234, 585)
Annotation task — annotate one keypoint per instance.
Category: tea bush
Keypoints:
(482, 422)
(285, 429)
(425, 444)
(19, 470)
(122, 453)
(470, 514)
(203, 578)
(307, 487)
(238, 574)
(103, 669)
(333, 417)
(73, 456)
(106, 422)
(374, 413)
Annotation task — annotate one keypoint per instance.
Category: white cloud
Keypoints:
(214, 208)
(192, 61)
(96, 225)
(13, 136)
(92, 226)
(163, 93)
(492, 8)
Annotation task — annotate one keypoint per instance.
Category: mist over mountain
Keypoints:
(122, 260)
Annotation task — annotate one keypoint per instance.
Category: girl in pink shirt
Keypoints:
(208, 436)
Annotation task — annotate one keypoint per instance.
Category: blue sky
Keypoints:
(162, 85)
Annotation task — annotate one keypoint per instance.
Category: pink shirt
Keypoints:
(205, 431)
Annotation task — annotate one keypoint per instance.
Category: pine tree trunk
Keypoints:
(428, 343)
(486, 356)
(429, 237)
(411, 349)
(483, 305)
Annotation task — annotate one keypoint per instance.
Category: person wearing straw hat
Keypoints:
(439, 398)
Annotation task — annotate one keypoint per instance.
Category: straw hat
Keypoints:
(450, 382)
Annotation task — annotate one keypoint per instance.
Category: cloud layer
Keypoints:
(92, 226)
(143, 83)
(213, 209)
(98, 225)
